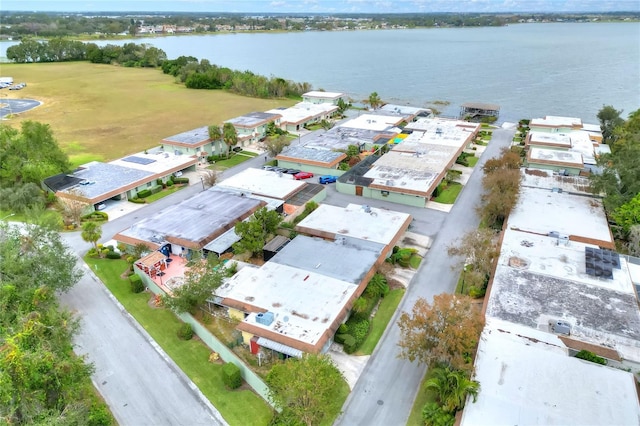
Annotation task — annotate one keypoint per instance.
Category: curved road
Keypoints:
(385, 391)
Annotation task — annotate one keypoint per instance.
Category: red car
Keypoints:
(302, 175)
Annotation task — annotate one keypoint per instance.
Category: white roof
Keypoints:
(262, 182)
(546, 138)
(323, 95)
(543, 211)
(374, 122)
(547, 179)
(156, 161)
(447, 126)
(556, 121)
(593, 128)
(403, 109)
(544, 155)
(377, 225)
(303, 111)
(304, 303)
(525, 381)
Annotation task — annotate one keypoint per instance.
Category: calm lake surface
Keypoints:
(530, 70)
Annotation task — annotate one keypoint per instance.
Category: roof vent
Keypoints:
(560, 327)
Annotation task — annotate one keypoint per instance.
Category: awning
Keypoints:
(279, 347)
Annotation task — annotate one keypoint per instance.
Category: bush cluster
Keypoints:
(144, 193)
(231, 375)
(358, 331)
(180, 180)
(155, 189)
(462, 159)
(96, 216)
(185, 332)
(590, 356)
(136, 284)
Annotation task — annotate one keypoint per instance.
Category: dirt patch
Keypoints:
(155, 301)
(394, 284)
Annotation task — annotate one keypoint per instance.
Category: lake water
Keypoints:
(530, 70)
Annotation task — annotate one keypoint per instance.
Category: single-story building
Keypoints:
(96, 182)
(194, 142)
(191, 224)
(302, 114)
(564, 162)
(309, 159)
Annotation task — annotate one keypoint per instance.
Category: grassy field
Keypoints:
(103, 112)
(239, 407)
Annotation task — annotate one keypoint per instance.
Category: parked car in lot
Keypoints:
(302, 175)
(327, 179)
(279, 170)
(292, 171)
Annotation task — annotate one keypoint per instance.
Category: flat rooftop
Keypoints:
(253, 119)
(544, 211)
(526, 381)
(404, 109)
(264, 183)
(375, 122)
(555, 157)
(340, 138)
(157, 161)
(194, 222)
(378, 225)
(556, 121)
(546, 179)
(304, 111)
(194, 137)
(321, 156)
(553, 139)
(323, 95)
(304, 303)
(349, 261)
(101, 179)
(410, 172)
(539, 279)
(447, 127)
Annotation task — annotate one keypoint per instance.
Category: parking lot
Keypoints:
(16, 106)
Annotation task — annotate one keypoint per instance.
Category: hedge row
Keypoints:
(356, 331)
(96, 216)
(180, 180)
(144, 193)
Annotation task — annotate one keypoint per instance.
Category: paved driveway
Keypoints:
(385, 392)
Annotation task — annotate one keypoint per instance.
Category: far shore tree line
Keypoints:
(186, 69)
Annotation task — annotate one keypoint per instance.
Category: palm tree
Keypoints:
(91, 233)
(230, 136)
(452, 387)
(374, 100)
(215, 134)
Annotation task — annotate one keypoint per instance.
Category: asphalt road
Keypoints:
(385, 392)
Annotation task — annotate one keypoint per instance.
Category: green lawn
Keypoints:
(387, 307)
(472, 160)
(237, 407)
(424, 396)
(341, 392)
(232, 161)
(49, 216)
(481, 142)
(449, 194)
(170, 190)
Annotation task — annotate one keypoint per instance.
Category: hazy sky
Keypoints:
(325, 6)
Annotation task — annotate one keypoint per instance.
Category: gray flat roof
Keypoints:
(191, 137)
(103, 178)
(341, 138)
(347, 262)
(311, 154)
(546, 179)
(253, 119)
(195, 219)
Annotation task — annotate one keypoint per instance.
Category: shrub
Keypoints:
(339, 338)
(349, 344)
(144, 193)
(590, 356)
(169, 183)
(477, 292)
(99, 415)
(113, 255)
(93, 252)
(180, 180)
(185, 332)
(231, 375)
(136, 283)
(159, 182)
(156, 189)
(343, 329)
(96, 216)
(137, 200)
(232, 268)
(435, 415)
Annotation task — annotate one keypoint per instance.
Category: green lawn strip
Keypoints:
(237, 407)
(449, 194)
(249, 153)
(84, 158)
(387, 307)
(460, 283)
(341, 392)
(472, 160)
(423, 398)
(230, 162)
(481, 142)
(170, 190)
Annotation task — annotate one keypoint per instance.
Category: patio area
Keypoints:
(166, 272)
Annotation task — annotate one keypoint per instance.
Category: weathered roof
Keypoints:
(478, 105)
